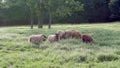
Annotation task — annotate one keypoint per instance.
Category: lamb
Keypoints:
(37, 38)
(87, 38)
(53, 38)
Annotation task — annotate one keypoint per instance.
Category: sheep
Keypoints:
(37, 38)
(72, 34)
(75, 34)
(53, 38)
(87, 38)
(60, 34)
(67, 34)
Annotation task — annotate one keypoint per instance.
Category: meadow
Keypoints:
(17, 52)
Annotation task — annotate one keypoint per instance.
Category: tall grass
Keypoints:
(17, 52)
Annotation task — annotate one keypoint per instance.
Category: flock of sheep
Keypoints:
(59, 35)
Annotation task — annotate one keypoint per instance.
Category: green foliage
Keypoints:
(96, 10)
(12, 11)
(104, 57)
(18, 12)
(114, 6)
(117, 52)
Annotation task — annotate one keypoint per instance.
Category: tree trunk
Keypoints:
(50, 19)
(40, 25)
(31, 18)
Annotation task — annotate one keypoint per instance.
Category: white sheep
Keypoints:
(37, 38)
(53, 38)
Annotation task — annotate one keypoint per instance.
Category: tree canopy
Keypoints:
(21, 12)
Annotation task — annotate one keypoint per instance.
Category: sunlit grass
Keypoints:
(17, 52)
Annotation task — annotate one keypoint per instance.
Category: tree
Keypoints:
(114, 6)
(31, 5)
(61, 8)
(12, 12)
(40, 12)
(21, 12)
(95, 10)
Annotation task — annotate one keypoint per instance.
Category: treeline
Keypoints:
(24, 12)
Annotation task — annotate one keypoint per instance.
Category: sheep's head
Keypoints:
(56, 36)
(44, 39)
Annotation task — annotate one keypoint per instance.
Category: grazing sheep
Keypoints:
(53, 38)
(87, 38)
(37, 38)
(72, 34)
(75, 34)
(67, 34)
(60, 34)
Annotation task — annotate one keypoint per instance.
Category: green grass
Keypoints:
(17, 52)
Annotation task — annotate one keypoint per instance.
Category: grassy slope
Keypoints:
(17, 52)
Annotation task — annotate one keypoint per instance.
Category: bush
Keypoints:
(117, 52)
(81, 59)
(78, 58)
(104, 57)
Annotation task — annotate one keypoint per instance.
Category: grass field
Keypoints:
(17, 52)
